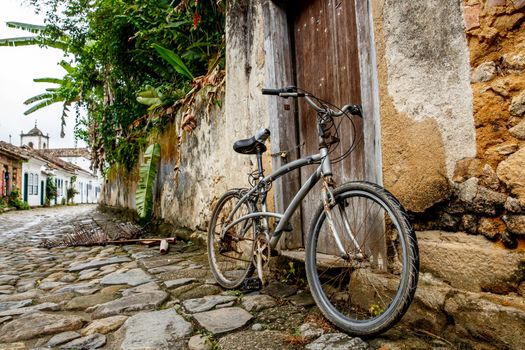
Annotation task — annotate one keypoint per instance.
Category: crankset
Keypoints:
(261, 256)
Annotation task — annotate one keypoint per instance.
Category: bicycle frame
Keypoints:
(324, 170)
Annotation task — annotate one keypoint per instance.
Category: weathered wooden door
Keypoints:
(327, 65)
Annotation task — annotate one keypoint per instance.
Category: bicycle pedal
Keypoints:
(251, 284)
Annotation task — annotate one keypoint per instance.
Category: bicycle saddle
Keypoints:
(252, 144)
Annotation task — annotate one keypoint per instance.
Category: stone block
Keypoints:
(484, 72)
(510, 171)
(471, 263)
(495, 3)
(223, 320)
(515, 224)
(517, 105)
(38, 324)
(491, 227)
(160, 330)
(471, 13)
(518, 4)
(518, 131)
(426, 310)
(503, 326)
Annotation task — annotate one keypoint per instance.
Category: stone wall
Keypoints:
(489, 188)
(426, 101)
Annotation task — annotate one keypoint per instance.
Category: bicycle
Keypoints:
(365, 278)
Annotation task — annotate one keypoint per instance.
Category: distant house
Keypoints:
(10, 168)
(66, 175)
(29, 167)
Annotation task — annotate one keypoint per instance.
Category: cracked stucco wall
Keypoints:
(426, 101)
(208, 165)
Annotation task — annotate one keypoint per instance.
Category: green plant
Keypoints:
(14, 200)
(133, 62)
(146, 186)
(376, 310)
(289, 274)
(51, 190)
(234, 292)
(71, 190)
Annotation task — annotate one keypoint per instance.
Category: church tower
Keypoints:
(35, 138)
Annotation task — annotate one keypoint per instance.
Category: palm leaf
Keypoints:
(145, 188)
(43, 104)
(33, 28)
(32, 40)
(69, 68)
(39, 97)
(48, 80)
(173, 59)
(20, 41)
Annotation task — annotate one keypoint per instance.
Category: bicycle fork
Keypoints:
(329, 204)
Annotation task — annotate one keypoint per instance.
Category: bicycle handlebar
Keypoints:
(278, 92)
(291, 91)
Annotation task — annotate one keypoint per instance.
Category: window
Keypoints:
(35, 185)
(30, 185)
(30, 144)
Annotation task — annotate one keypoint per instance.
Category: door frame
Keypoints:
(282, 113)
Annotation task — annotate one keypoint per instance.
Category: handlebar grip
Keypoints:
(271, 91)
(357, 110)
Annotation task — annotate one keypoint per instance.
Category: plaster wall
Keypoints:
(88, 189)
(426, 101)
(193, 175)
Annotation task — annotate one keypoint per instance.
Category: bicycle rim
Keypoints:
(231, 258)
(370, 291)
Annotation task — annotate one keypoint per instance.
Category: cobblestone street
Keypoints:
(131, 297)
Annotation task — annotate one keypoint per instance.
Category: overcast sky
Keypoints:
(18, 67)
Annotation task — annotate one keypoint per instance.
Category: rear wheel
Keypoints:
(230, 255)
(368, 289)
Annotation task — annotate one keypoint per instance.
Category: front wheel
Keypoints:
(230, 252)
(367, 288)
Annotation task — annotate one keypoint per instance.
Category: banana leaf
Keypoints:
(49, 80)
(149, 101)
(145, 190)
(44, 103)
(32, 40)
(173, 59)
(33, 28)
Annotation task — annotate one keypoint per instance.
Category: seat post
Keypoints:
(260, 162)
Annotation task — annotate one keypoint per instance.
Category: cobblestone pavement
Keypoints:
(131, 297)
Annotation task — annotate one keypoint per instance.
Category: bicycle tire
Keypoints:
(231, 261)
(348, 303)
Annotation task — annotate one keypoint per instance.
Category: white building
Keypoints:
(34, 139)
(44, 163)
(35, 173)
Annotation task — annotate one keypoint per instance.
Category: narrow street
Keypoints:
(131, 297)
